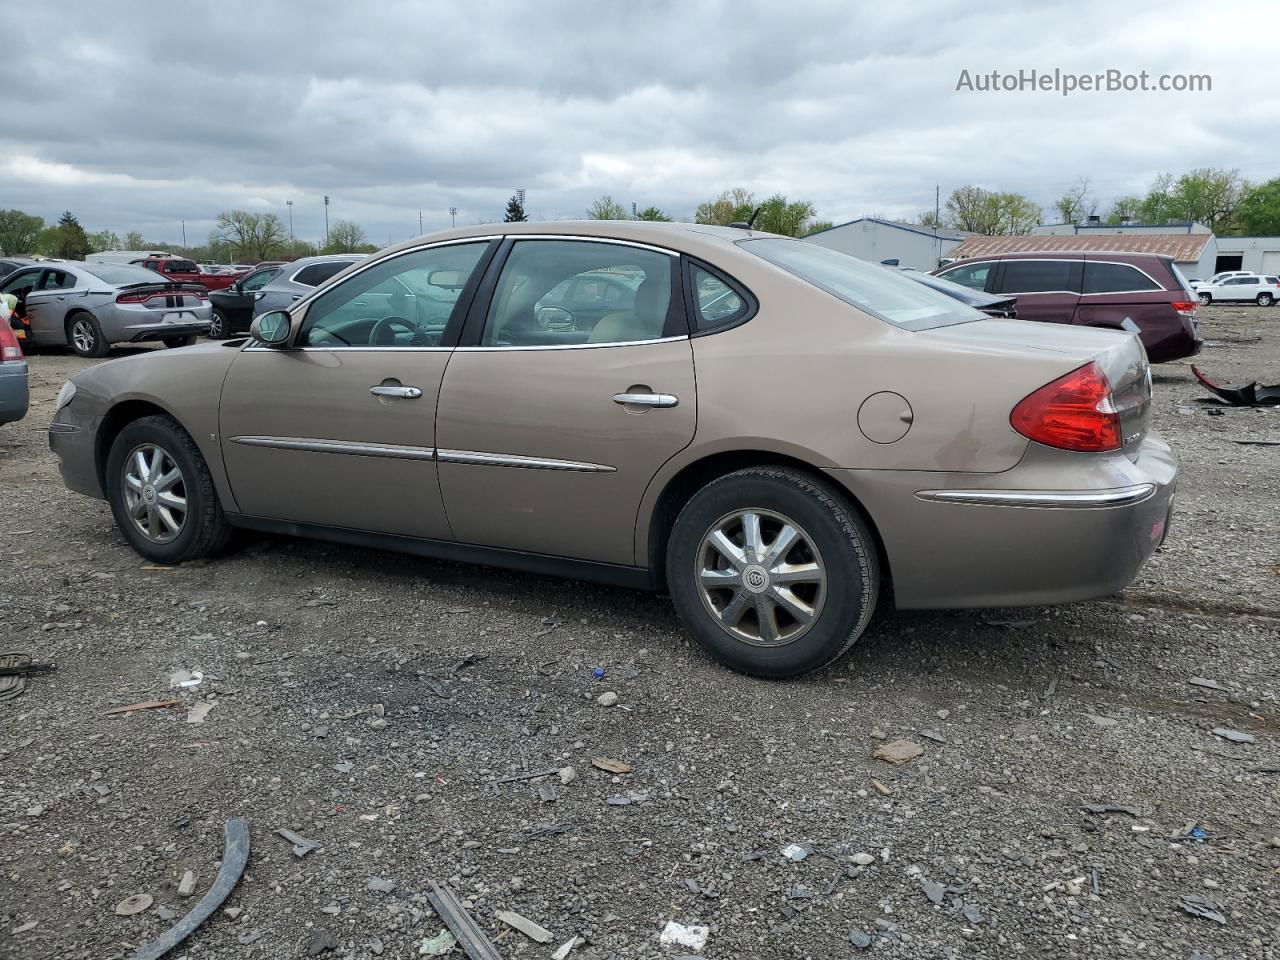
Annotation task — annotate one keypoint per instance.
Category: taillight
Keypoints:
(1074, 412)
(203, 294)
(134, 297)
(1186, 308)
(10, 349)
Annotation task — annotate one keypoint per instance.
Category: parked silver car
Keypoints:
(296, 280)
(89, 306)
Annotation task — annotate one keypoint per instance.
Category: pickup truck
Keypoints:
(185, 271)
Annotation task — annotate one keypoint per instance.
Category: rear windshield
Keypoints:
(886, 294)
(120, 274)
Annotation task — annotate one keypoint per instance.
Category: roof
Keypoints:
(947, 233)
(1182, 247)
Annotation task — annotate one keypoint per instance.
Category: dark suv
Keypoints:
(1141, 292)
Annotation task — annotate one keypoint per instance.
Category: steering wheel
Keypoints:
(383, 333)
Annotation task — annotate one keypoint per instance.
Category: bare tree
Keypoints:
(1077, 203)
(256, 234)
(604, 207)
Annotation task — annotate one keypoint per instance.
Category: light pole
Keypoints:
(289, 204)
(184, 233)
(453, 216)
(326, 219)
(419, 223)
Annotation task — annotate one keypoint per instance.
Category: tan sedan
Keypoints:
(773, 432)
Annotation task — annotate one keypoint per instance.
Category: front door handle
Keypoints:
(404, 393)
(645, 399)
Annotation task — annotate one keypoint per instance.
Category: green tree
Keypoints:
(817, 226)
(988, 212)
(1258, 213)
(103, 240)
(1123, 208)
(652, 213)
(515, 211)
(1076, 204)
(133, 241)
(1205, 195)
(66, 240)
(19, 232)
(605, 208)
(780, 215)
(345, 237)
(252, 234)
(731, 206)
(930, 219)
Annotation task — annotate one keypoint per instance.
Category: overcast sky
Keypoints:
(138, 117)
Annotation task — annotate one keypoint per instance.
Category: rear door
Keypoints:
(1122, 296)
(1048, 290)
(548, 434)
(49, 303)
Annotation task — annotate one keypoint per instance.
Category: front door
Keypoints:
(1047, 290)
(338, 428)
(550, 431)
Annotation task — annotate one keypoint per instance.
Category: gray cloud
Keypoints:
(137, 122)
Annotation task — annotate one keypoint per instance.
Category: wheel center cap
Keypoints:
(149, 494)
(755, 578)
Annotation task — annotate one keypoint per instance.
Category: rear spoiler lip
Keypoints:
(160, 287)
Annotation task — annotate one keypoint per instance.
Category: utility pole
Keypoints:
(419, 223)
(184, 233)
(289, 204)
(326, 219)
(453, 216)
(937, 214)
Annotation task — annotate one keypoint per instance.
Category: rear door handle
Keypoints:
(404, 393)
(645, 399)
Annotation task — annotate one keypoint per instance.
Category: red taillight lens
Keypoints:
(133, 297)
(1186, 308)
(203, 294)
(10, 349)
(1074, 412)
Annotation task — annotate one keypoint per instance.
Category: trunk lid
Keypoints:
(1120, 355)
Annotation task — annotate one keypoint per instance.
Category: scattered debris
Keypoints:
(933, 735)
(1199, 906)
(235, 854)
(249, 936)
(881, 788)
(320, 941)
(863, 859)
(526, 926)
(530, 775)
(187, 885)
(548, 793)
(135, 904)
(795, 852)
(565, 948)
(199, 711)
(678, 935)
(186, 678)
(1257, 443)
(1110, 808)
(1207, 683)
(1250, 394)
(1050, 690)
(468, 661)
(800, 892)
(860, 939)
(14, 670)
(618, 800)
(1011, 624)
(971, 913)
(607, 699)
(1103, 721)
(346, 766)
(441, 943)
(934, 891)
(474, 942)
(301, 845)
(567, 775)
(144, 705)
(898, 751)
(379, 885)
(609, 766)
(1235, 736)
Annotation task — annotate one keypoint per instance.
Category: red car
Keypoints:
(185, 271)
(1144, 293)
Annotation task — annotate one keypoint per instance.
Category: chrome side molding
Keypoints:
(1118, 497)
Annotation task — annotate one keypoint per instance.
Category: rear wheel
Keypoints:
(186, 341)
(1206, 299)
(219, 328)
(162, 494)
(84, 334)
(1265, 299)
(772, 572)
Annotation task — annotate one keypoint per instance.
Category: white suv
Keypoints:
(1264, 291)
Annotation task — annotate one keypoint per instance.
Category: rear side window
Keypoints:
(1272, 280)
(973, 275)
(1040, 276)
(180, 266)
(716, 301)
(1115, 278)
(57, 280)
(318, 273)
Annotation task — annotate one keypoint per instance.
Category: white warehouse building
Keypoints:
(911, 244)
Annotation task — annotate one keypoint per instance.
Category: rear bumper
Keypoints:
(14, 394)
(165, 331)
(1058, 527)
(1175, 339)
(127, 324)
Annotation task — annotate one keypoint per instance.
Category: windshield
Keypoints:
(885, 294)
(120, 274)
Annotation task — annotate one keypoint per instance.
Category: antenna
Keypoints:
(748, 225)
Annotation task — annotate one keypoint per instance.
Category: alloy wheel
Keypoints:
(761, 577)
(1264, 299)
(155, 493)
(215, 326)
(82, 335)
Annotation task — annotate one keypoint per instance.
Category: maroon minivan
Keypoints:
(1141, 292)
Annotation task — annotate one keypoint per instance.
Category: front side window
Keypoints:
(1039, 276)
(405, 301)
(626, 289)
(715, 302)
(258, 280)
(973, 275)
(884, 294)
(1115, 278)
(21, 283)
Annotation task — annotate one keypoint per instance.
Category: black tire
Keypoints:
(845, 547)
(84, 335)
(204, 530)
(172, 342)
(1205, 299)
(220, 327)
(1265, 299)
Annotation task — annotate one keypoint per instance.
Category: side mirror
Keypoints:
(271, 328)
(556, 318)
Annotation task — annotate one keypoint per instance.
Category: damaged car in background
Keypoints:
(849, 430)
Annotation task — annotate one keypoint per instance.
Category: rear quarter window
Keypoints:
(318, 273)
(1115, 278)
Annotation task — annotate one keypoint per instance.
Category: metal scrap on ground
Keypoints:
(1251, 394)
(235, 854)
(474, 941)
(144, 705)
(301, 845)
(526, 926)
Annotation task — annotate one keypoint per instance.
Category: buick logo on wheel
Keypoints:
(755, 579)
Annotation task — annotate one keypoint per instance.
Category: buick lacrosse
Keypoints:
(776, 434)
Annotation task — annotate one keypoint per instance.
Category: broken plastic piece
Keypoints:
(235, 854)
(526, 926)
(1251, 394)
(301, 845)
(1200, 907)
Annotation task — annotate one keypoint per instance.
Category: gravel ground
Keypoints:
(374, 703)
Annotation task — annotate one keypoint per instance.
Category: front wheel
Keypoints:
(1205, 299)
(186, 341)
(1265, 299)
(772, 572)
(162, 494)
(84, 333)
